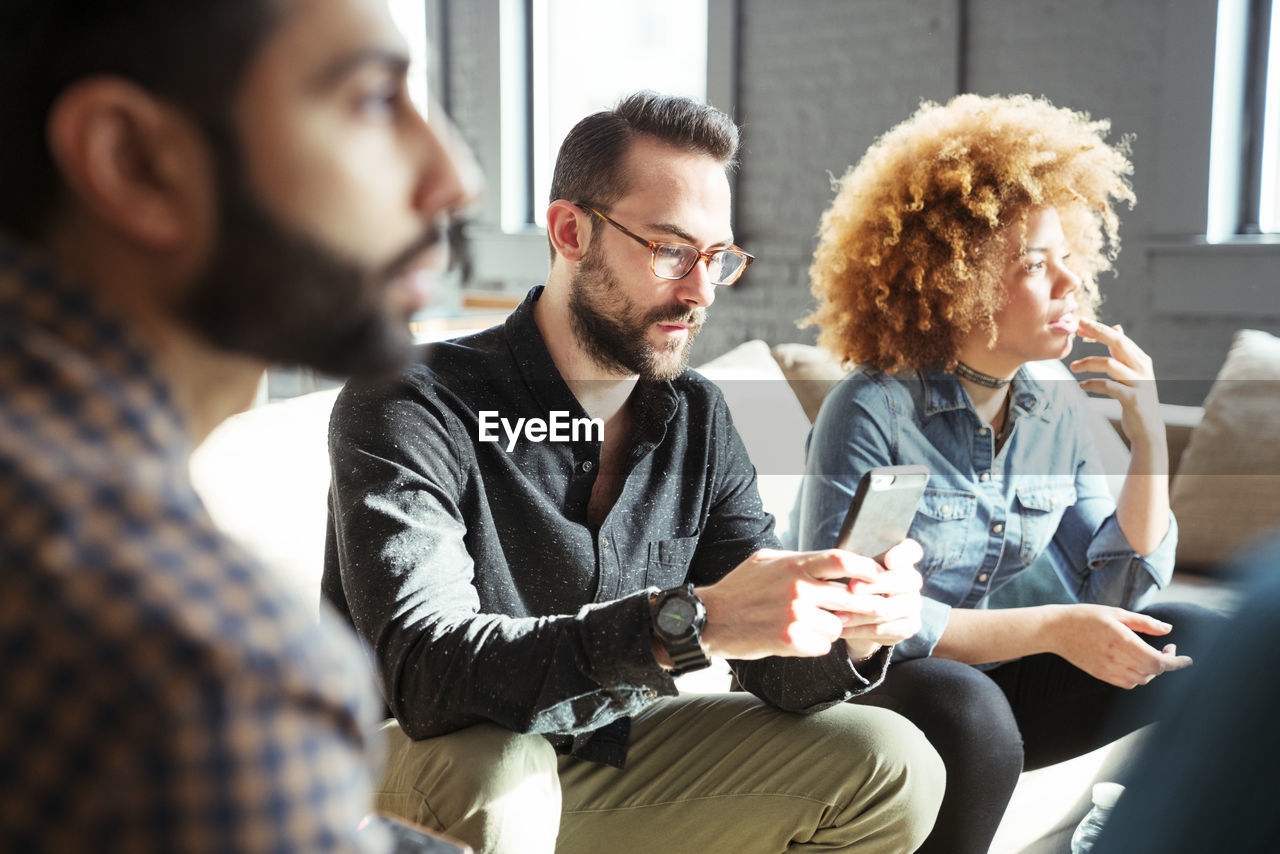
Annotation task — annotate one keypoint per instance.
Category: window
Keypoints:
(544, 65)
(1269, 178)
(1244, 179)
(411, 18)
(586, 54)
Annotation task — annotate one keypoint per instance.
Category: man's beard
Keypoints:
(615, 334)
(276, 294)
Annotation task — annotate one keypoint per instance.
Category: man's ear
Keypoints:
(569, 229)
(131, 161)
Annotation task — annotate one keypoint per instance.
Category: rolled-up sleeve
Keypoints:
(1092, 555)
(934, 616)
(1117, 575)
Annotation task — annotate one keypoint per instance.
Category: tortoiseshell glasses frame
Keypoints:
(674, 261)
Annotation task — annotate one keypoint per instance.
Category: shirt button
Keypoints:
(983, 431)
(982, 577)
(604, 543)
(650, 694)
(997, 528)
(944, 509)
(984, 477)
(587, 466)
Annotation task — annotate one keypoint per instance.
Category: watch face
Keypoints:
(676, 617)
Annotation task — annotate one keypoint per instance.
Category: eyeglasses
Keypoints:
(675, 260)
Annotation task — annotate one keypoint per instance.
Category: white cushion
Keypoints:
(264, 476)
(770, 420)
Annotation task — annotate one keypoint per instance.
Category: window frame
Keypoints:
(508, 251)
(1253, 138)
(1192, 194)
(1265, 103)
(1238, 137)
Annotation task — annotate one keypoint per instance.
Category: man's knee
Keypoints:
(482, 785)
(909, 770)
(891, 781)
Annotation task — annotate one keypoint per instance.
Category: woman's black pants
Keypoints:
(991, 725)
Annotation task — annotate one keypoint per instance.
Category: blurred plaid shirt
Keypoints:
(160, 692)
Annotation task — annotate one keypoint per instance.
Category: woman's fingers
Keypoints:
(1126, 394)
(1129, 376)
(1120, 345)
(1110, 366)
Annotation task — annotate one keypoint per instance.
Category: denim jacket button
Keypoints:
(997, 528)
(982, 577)
(984, 477)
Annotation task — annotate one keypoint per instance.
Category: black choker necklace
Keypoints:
(968, 373)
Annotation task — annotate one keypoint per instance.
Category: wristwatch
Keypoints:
(678, 618)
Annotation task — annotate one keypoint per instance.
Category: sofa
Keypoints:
(264, 474)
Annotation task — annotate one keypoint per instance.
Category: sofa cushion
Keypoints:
(1227, 490)
(811, 371)
(764, 409)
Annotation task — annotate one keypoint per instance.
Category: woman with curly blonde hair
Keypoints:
(964, 245)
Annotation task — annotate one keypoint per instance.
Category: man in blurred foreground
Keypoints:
(191, 191)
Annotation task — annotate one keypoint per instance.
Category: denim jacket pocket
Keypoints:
(941, 527)
(1040, 509)
(668, 561)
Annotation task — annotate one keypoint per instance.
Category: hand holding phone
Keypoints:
(879, 518)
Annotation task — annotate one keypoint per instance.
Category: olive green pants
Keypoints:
(705, 773)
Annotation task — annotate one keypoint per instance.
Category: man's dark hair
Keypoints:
(588, 165)
(191, 53)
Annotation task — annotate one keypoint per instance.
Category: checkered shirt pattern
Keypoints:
(160, 692)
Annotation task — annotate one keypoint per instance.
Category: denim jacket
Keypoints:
(985, 516)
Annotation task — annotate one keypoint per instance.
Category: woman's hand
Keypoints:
(1143, 506)
(1130, 379)
(1103, 642)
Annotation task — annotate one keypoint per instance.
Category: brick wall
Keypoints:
(819, 80)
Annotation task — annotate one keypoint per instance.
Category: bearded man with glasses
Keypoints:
(528, 602)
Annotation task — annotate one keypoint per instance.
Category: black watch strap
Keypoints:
(683, 645)
(687, 657)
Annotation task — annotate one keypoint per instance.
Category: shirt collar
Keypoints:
(534, 361)
(653, 403)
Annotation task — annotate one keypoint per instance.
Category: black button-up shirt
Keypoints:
(470, 568)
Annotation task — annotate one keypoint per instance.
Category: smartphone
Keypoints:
(882, 510)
